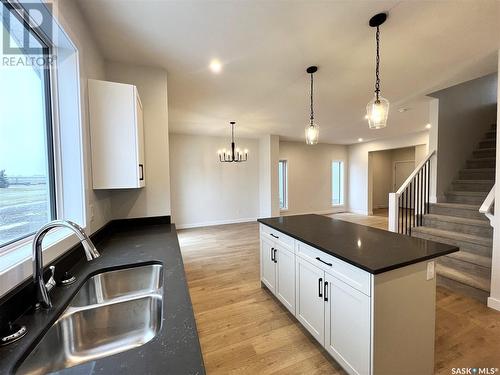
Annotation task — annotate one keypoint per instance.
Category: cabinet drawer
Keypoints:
(351, 275)
(281, 238)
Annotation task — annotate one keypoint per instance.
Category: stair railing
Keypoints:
(411, 202)
(488, 204)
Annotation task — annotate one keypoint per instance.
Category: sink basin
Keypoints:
(111, 285)
(112, 312)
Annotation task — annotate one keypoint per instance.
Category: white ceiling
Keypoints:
(266, 46)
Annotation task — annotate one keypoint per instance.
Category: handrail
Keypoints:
(409, 205)
(414, 173)
(487, 206)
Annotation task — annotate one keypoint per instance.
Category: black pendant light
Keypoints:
(234, 155)
(377, 109)
(312, 129)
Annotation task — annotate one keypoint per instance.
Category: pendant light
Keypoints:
(234, 155)
(312, 130)
(377, 110)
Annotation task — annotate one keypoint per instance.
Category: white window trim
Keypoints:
(16, 258)
(340, 205)
(284, 209)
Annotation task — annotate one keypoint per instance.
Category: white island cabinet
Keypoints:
(278, 266)
(116, 135)
(369, 323)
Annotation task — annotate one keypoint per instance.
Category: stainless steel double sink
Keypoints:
(112, 312)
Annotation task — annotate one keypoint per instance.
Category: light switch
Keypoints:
(430, 270)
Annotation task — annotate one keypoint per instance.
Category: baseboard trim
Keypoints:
(213, 223)
(494, 303)
(333, 210)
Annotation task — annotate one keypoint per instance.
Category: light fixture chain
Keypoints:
(377, 65)
(312, 99)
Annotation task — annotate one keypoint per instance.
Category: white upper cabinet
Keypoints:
(117, 135)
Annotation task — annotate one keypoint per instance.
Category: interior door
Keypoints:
(347, 326)
(285, 278)
(310, 307)
(267, 265)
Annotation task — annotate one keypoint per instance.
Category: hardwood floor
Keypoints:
(244, 330)
(377, 220)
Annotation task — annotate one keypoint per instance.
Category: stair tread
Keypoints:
(469, 257)
(459, 220)
(465, 192)
(482, 159)
(474, 181)
(471, 238)
(463, 277)
(463, 206)
(478, 170)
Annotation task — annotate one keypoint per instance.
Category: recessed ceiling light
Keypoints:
(360, 139)
(215, 66)
(428, 126)
(403, 109)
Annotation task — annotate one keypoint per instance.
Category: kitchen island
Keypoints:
(365, 294)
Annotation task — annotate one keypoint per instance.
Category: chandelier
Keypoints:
(234, 155)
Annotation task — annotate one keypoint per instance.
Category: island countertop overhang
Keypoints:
(373, 250)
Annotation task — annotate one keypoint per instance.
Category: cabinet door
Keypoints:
(310, 308)
(285, 278)
(347, 326)
(140, 141)
(267, 265)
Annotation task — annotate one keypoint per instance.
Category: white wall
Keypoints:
(494, 300)
(359, 186)
(269, 205)
(154, 198)
(466, 112)
(206, 191)
(310, 176)
(91, 65)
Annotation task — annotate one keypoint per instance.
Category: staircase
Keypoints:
(458, 222)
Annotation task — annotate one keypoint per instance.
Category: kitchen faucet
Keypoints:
(42, 288)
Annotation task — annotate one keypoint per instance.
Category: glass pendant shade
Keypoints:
(312, 134)
(377, 112)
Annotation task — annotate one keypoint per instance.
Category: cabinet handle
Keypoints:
(141, 168)
(322, 261)
(275, 260)
(272, 235)
(326, 291)
(320, 287)
(272, 254)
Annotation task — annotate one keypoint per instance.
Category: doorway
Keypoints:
(387, 171)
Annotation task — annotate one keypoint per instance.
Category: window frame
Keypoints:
(341, 183)
(73, 197)
(19, 12)
(284, 183)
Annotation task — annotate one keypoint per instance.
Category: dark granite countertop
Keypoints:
(174, 350)
(373, 250)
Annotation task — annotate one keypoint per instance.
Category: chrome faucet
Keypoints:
(42, 289)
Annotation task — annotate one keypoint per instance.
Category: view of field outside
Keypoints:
(24, 161)
(23, 210)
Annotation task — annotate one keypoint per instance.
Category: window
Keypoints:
(337, 183)
(27, 188)
(283, 184)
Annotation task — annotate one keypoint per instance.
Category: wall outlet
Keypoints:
(91, 209)
(430, 270)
